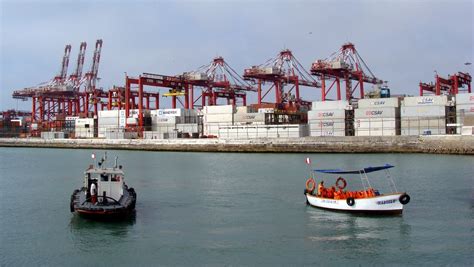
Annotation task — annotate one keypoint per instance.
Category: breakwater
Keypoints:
(463, 145)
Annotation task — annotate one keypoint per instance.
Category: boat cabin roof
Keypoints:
(104, 170)
(364, 170)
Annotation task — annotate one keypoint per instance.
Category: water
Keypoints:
(231, 209)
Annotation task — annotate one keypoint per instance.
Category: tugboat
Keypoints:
(104, 194)
(366, 201)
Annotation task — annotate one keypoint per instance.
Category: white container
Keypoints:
(243, 109)
(376, 132)
(213, 118)
(226, 109)
(435, 100)
(383, 112)
(465, 99)
(249, 117)
(86, 122)
(109, 113)
(423, 123)
(423, 131)
(327, 133)
(174, 112)
(465, 108)
(376, 123)
(187, 128)
(332, 125)
(326, 114)
(393, 102)
(132, 121)
(325, 105)
(423, 111)
(266, 110)
(467, 130)
(155, 120)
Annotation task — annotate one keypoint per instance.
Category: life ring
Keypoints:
(310, 185)
(404, 199)
(344, 183)
(350, 201)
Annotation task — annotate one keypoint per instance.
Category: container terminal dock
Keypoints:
(362, 115)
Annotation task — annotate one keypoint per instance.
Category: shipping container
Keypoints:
(339, 125)
(213, 118)
(377, 132)
(376, 123)
(326, 114)
(383, 112)
(266, 110)
(423, 111)
(327, 133)
(175, 112)
(249, 117)
(325, 105)
(465, 99)
(422, 131)
(434, 100)
(226, 109)
(393, 102)
(423, 122)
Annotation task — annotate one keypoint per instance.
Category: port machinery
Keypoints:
(452, 85)
(62, 95)
(76, 95)
(282, 70)
(216, 80)
(344, 65)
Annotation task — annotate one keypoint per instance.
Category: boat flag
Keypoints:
(308, 161)
(93, 156)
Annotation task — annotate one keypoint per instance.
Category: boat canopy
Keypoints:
(364, 170)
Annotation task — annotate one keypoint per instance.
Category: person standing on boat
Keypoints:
(93, 193)
(320, 188)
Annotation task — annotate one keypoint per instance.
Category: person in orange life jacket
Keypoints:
(320, 188)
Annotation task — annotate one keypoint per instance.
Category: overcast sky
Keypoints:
(403, 42)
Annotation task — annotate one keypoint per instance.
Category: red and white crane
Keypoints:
(346, 64)
(218, 80)
(281, 71)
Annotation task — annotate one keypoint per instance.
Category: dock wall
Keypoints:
(463, 145)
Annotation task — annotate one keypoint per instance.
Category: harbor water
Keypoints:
(232, 209)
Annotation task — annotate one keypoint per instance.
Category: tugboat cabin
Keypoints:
(109, 183)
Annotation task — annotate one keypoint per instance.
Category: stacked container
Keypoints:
(215, 117)
(377, 117)
(110, 120)
(263, 131)
(330, 118)
(424, 115)
(465, 113)
(167, 123)
(85, 128)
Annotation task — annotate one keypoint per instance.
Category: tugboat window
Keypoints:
(104, 178)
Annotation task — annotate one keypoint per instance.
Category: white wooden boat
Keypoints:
(376, 203)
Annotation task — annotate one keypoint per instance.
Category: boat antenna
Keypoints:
(93, 157)
(308, 162)
(116, 158)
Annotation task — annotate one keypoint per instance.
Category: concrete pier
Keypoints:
(448, 144)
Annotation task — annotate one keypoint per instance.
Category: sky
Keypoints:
(402, 42)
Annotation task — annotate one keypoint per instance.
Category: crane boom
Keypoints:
(64, 65)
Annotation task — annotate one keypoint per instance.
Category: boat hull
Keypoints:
(123, 208)
(379, 205)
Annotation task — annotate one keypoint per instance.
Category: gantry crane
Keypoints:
(452, 85)
(280, 71)
(217, 80)
(346, 64)
(62, 96)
